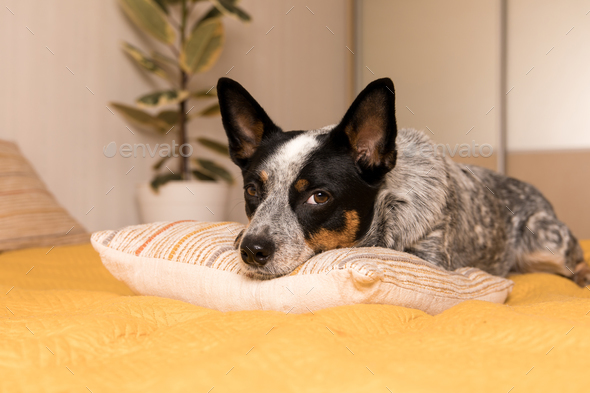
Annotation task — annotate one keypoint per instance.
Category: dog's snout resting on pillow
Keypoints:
(363, 182)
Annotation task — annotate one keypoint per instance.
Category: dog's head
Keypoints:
(307, 191)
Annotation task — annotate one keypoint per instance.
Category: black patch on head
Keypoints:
(333, 170)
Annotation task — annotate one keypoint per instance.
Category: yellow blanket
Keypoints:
(68, 326)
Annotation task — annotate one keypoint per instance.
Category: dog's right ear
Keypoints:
(369, 129)
(244, 120)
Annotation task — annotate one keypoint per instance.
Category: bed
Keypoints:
(67, 325)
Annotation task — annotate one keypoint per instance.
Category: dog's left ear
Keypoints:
(370, 128)
(246, 123)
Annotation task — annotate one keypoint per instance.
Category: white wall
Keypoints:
(548, 108)
(444, 59)
(299, 72)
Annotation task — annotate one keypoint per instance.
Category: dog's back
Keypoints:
(461, 215)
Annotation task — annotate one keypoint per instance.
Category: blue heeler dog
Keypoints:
(362, 183)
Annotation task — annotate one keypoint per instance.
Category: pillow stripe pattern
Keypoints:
(180, 241)
(150, 257)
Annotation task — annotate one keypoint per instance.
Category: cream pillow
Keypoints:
(196, 262)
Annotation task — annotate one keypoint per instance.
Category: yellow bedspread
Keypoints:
(67, 326)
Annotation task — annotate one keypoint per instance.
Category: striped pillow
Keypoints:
(196, 262)
(29, 215)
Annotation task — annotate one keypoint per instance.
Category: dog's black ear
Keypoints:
(244, 120)
(370, 128)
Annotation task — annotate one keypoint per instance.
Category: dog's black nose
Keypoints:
(256, 250)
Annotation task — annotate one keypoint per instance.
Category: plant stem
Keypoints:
(182, 106)
(183, 131)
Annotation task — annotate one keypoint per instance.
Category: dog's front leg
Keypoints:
(432, 249)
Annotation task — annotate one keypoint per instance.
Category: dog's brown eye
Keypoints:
(251, 190)
(318, 198)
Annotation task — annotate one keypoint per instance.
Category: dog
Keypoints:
(364, 183)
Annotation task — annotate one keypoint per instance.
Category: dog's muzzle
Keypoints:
(257, 250)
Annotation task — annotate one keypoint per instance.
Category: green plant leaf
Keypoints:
(160, 180)
(202, 176)
(142, 120)
(203, 47)
(144, 61)
(213, 13)
(214, 146)
(209, 93)
(164, 97)
(216, 170)
(169, 117)
(210, 111)
(160, 162)
(163, 59)
(229, 8)
(148, 15)
(162, 5)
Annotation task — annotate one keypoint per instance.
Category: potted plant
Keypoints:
(197, 188)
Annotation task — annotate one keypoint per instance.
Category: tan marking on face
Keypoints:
(301, 185)
(326, 239)
(263, 176)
